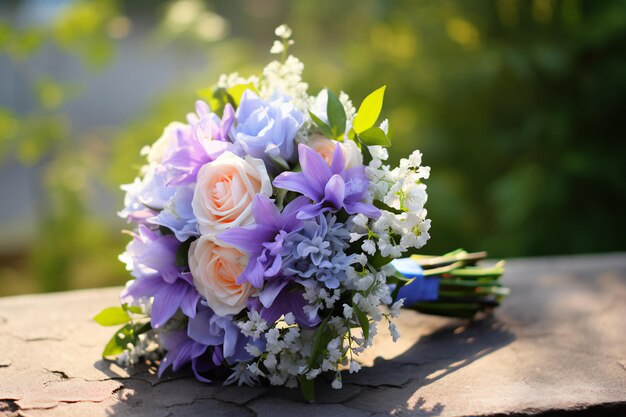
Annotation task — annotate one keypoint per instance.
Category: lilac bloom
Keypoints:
(195, 145)
(221, 332)
(209, 341)
(177, 214)
(212, 132)
(152, 259)
(181, 350)
(330, 188)
(267, 129)
(280, 297)
(263, 240)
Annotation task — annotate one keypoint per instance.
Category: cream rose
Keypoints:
(224, 192)
(215, 270)
(325, 147)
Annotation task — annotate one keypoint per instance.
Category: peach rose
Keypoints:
(325, 147)
(215, 270)
(224, 192)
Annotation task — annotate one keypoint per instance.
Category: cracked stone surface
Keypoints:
(558, 345)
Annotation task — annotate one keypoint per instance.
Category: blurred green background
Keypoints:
(518, 106)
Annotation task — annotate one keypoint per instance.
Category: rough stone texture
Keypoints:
(558, 343)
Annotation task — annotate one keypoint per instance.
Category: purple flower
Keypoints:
(263, 240)
(196, 145)
(267, 129)
(152, 259)
(280, 297)
(181, 350)
(211, 329)
(331, 188)
(209, 341)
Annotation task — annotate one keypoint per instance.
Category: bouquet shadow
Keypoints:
(390, 385)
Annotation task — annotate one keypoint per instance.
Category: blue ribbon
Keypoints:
(420, 288)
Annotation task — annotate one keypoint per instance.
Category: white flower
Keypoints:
(290, 319)
(347, 311)
(313, 373)
(384, 126)
(253, 350)
(415, 159)
(355, 236)
(360, 258)
(277, 48)
(360, 220)
(285, 79)
(254, 326)
(395, 308)
(369, 246)
(283, 31)
(270, 362)
(395, 335)
(336, 384)
(378, 153)
(254, 369)
(354, 366)
(277, 379)
(241, 375)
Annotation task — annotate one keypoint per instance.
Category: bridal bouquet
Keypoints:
(265, 230)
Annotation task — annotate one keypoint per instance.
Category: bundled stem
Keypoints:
(465, 289)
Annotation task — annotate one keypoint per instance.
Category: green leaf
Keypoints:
(363, 321)
(378, 260)
(216, 97)
(132, 309)
(336, 116)
(307, 387)
(119, 342)
(236, 91)
(374, 136)
(322, 126)
(399, 281)
(112, 316)
(369, 110)
(318, 342)
(381, 205)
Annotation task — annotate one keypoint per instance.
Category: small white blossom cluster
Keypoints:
(287, 352)
(404, 226)
(145, 348)
(227, 81)
(284, 32)
(285, 78)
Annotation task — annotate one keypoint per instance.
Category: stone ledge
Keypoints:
(557, 346)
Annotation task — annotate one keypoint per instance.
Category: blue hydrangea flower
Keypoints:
(317, 251)
(177, 214)
(267, 129)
